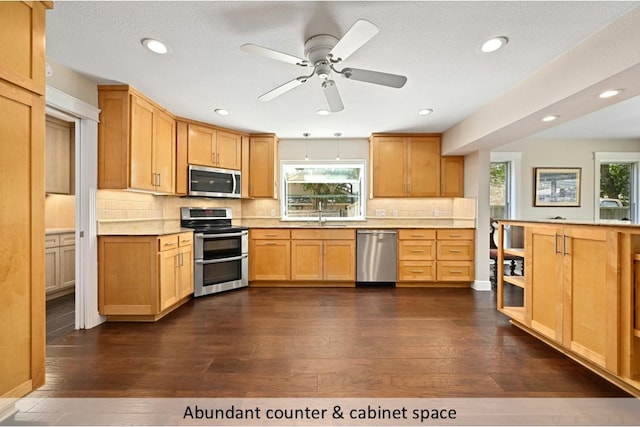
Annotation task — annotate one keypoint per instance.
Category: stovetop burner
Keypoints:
(209, 220)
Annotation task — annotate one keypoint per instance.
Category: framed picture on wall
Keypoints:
(558, 187)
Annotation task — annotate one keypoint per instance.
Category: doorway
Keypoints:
(84, 117)
(60, 227)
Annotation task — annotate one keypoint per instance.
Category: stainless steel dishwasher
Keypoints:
(376, 257)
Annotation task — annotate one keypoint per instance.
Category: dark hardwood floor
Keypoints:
(61, 317)
(346, 342)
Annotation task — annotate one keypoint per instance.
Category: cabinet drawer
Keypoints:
(455, 271)
(416, 250)
(270, 234)
(185, 239)
(67, 239)
(315, 234)
(416, 234)
(168, 242)
(456, 234)
(455, 250)
(51, 240)
(417, 271)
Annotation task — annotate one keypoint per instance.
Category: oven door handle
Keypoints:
(210, 236)
(217, 261)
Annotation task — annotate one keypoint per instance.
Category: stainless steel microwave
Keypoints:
(213, 182)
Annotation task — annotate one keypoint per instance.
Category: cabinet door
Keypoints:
(168, 263)
(67, 266)
(22, 44)
(417, 250)
(58, 156)
(306, 260)
(424, 166)
(262, 154)
(339, 260)
(452, 176)
(185, 271)
(389, 160)
(142, 135)
(591, 294)
(52, 275)
(270, 260)
(164, 152)
(201, 147)
(229, 152)
(544, 274)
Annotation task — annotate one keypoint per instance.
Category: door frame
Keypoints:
(86, 117)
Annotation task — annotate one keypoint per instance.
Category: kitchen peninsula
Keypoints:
(579, 292)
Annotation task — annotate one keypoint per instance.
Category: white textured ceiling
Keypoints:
(434, 43)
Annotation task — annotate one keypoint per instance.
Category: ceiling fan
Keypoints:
(323, 52)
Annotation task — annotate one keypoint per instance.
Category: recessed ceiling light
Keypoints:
(221, 111)
(322, 112)
(494, 44)
(549, 118)
(425, 111)
(610, 93)
(155, 46)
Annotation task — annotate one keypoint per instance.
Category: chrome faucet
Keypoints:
(320, 219)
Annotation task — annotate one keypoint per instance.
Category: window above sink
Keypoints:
(323, 191)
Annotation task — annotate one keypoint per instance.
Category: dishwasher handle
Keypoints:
(376, 232)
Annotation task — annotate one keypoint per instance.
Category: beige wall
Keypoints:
(72, 83)
(562, 153)
(59, 211)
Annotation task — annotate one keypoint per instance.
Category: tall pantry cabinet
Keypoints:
(22, 165)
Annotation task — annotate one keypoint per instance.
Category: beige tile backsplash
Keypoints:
(59, 211)
(118, 206)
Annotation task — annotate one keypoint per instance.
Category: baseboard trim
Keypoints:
(481, 285)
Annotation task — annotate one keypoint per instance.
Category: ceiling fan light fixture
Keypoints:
(494, 44)
(222, 112)
(425, 111)
(323, 112)
(610, 93)
(155, 46)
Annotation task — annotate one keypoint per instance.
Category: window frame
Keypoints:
(634, 193)
(360, 163)
(513, 159)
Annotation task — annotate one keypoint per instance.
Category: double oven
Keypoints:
(221, 250)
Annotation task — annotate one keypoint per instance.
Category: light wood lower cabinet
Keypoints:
(435, 256)
(60, 258)
(284, 257)
(323, 255)
(269, 254)
(579, 294)
(144, 277)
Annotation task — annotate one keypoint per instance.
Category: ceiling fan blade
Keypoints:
(281, 89)
(273, 54)
(333, 96)
(375, 77)
(356, 36)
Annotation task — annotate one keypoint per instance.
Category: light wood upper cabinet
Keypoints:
(22, 43)
(452, 176)
(136, 142)
(405, 165)
(262, 172)
(59, 152)
(208, 146)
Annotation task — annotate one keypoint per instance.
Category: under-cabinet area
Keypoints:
(578, 292)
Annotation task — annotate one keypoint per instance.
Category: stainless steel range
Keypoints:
(221, 250)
